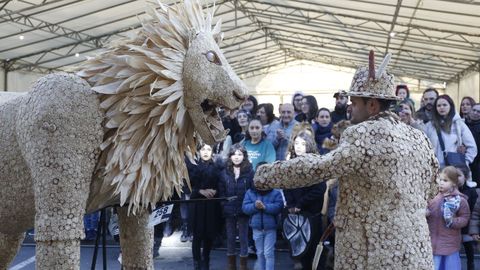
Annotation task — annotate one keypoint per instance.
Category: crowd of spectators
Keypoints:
(258, 136)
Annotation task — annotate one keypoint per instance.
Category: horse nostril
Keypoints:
(238, 96)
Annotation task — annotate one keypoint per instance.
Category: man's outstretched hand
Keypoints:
(259, 179)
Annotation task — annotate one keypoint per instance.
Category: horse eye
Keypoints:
(212, 57)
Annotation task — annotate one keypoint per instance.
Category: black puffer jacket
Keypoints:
(228, 187)
(308, 199)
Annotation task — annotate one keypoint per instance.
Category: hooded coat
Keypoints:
(386, 172)
(459, 134)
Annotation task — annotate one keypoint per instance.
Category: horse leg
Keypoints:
(59, 133)
(9, 246)
(136, 240)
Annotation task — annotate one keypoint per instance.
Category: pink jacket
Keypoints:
(446, 241)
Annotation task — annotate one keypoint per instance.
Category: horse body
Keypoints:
(114, 133)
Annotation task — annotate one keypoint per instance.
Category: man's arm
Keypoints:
(311, 169)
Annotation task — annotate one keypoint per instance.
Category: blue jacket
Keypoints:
(265, 219)
(228, 187)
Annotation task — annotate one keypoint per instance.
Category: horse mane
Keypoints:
(148, 129)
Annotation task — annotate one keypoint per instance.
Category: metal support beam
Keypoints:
(5, 76)
(5, 4)
(98, 40)
(259, 23)
(42, 5)
(372, 15)
(392, 26)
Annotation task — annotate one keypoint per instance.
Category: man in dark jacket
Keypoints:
(340, 112)
(428, 98)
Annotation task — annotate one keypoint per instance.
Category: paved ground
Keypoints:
(173, 255)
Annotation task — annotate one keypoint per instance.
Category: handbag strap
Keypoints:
(440, 140)
(327, 232)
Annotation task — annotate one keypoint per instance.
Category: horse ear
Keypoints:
(217, 32)
(218, 37)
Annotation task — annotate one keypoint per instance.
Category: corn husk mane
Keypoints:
(141, 90)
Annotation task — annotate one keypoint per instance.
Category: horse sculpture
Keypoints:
(114, 133)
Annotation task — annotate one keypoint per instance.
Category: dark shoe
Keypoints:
(232, 262)
(156, 247)
(252, 252)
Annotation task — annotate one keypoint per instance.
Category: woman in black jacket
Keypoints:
(204, 216)
(236, 179)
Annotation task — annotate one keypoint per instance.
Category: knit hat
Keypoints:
(373, 84)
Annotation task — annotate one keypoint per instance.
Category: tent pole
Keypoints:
(5, 76)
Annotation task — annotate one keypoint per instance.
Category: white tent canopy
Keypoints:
(438, 41)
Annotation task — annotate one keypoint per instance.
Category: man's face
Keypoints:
(428, 100)
(475, 113)
(286, 113)
(341, 101)
(359, 110)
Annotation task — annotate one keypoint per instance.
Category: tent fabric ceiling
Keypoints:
(432, 40)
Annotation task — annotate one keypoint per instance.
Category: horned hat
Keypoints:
(373, 84)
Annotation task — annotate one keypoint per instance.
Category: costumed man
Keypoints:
(387, 171)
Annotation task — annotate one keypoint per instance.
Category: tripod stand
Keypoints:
(101, 232)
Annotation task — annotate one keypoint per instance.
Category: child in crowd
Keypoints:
(447, 214)
(236, 179)
(263, 207)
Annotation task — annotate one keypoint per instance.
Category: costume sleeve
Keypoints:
(248, 205)
(463, 215)
(311, 169)
(274, 207)
(432, 185)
